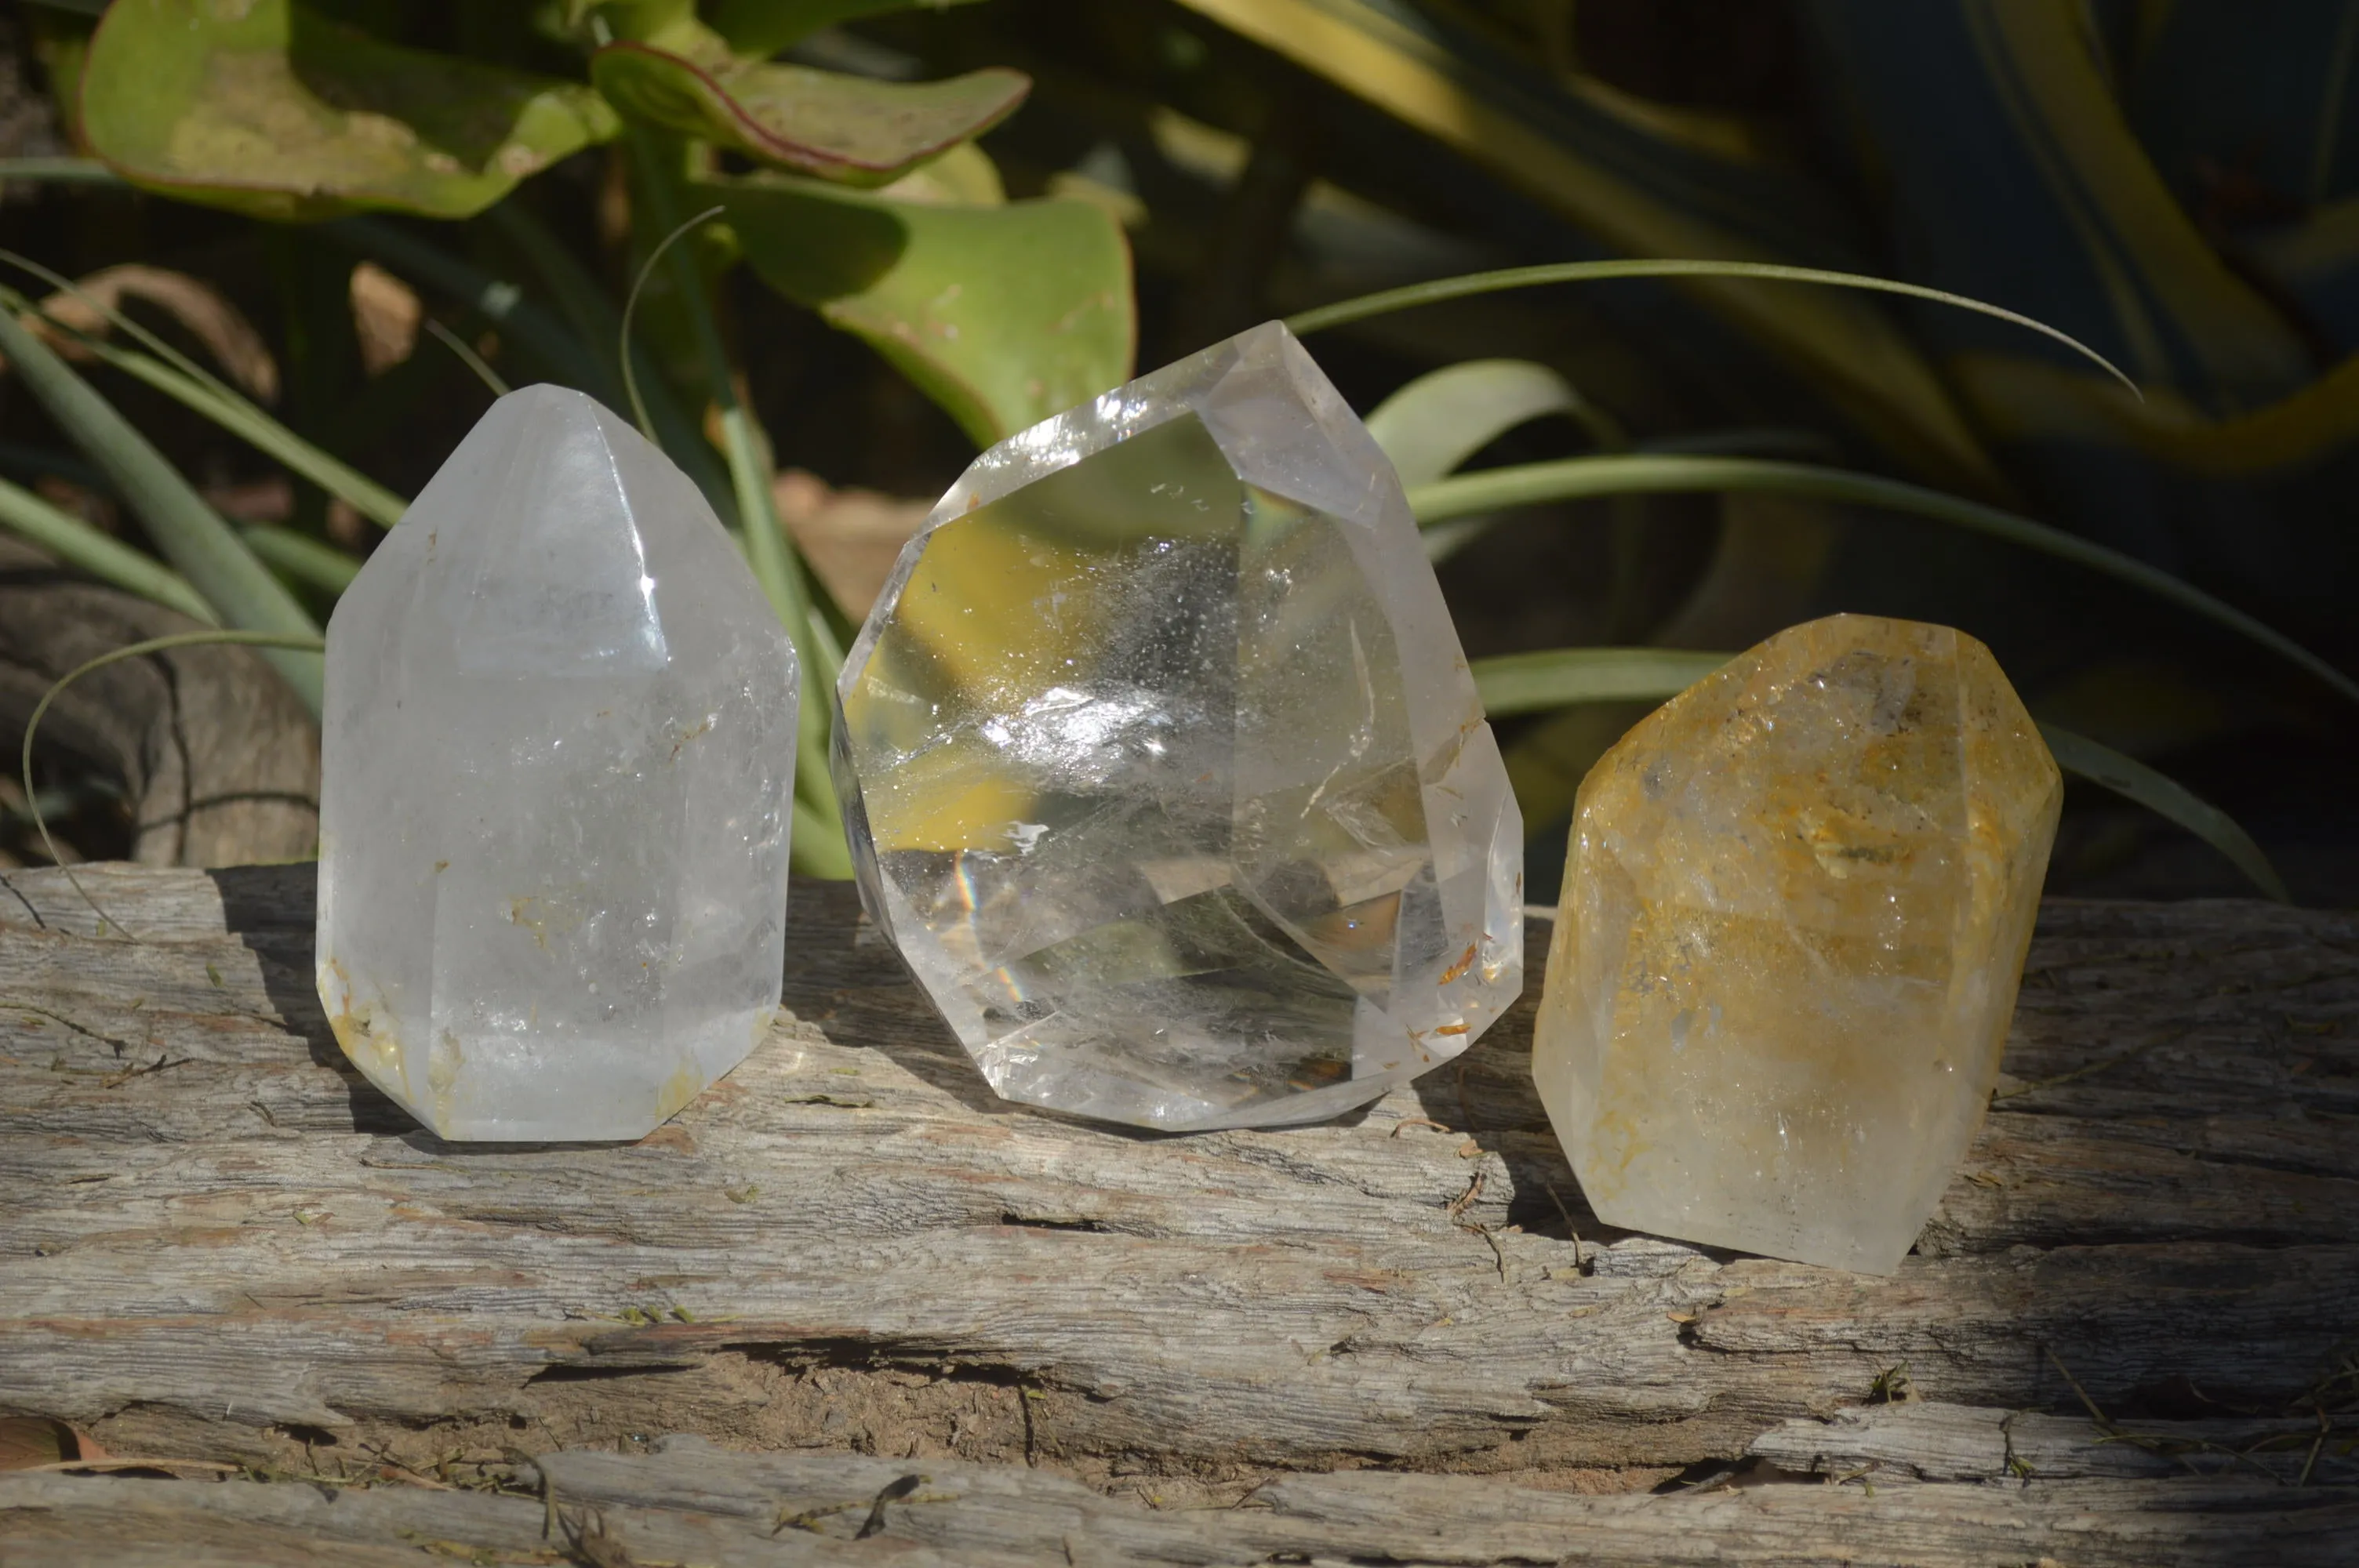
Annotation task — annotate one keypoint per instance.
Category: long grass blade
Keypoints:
(192, 535)
(301, 558)
(192, 386)
(480, 367)
(84, 548)
(1556, 677)
(2165, 797)
(266, 640)
(1573, 477)
(1415, 293)
(774, 566)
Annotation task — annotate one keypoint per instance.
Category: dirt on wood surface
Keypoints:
(2130, 1334)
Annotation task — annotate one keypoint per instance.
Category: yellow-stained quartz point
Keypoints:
(1796, 907)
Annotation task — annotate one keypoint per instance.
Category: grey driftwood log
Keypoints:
(214, 750)
(847, 1307)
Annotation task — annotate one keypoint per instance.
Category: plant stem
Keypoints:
(774, 563)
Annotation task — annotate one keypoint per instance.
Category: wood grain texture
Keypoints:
(214, 749)
(849, 1261)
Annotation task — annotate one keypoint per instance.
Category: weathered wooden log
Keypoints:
(852, 1264)
(213, 749)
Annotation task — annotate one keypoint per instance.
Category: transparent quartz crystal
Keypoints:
(1796, 908)
(559, 742)
(1163, 767)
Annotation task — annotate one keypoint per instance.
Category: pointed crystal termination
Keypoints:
(1796, 909)
(1163, 768)
(555, 766)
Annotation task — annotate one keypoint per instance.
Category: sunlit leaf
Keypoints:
(766, 27)
(1445, 416)
(267, 108)
(839, 127)
(1002, 314)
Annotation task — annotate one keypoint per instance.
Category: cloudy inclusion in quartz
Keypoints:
(555, 764)
(1796, 908)
(1164, 769)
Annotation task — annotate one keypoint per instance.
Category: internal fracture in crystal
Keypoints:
(1796, 907)
(1164, 770)
(555, 764)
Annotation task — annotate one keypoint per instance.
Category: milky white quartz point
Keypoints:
(555, 769)
(1164, 770)
(1794, 913)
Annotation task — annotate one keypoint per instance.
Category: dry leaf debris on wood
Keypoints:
(1132, 1334)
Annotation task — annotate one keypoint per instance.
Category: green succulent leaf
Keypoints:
(1002, 315)
(766, 27)
(268, 109)
(839, 127)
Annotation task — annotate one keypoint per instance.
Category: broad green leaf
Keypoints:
(1002, 314)
(762, 27)
(845, 128)
(1444, 417)
(1637, 474)
(191, 534)
(267, 108)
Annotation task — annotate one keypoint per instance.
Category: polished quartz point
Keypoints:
(1794, 913)
(1163, 768)
(555, 764)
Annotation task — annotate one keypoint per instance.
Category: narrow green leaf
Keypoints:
(1445, 416)
(192, 535)
(299, 557)
(2165, 797)
(266, 107)
(1558, 677)
(839, 127)
(1533, 683)
(775, 564)
(1576, 477)
(1002, 315)
(60, 170)
(179, 377)
(84, 548)
(1415, 293)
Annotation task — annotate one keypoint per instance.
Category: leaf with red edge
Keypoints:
(845, 128)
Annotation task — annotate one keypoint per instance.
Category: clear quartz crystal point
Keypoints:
(1163, 768)
(1794, 913)
(555, 769)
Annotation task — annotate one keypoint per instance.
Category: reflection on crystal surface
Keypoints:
(558, 744)
(1796, 909)
(1165, 771)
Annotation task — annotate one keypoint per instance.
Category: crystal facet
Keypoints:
(559, 741)
(1796, 908)
(1164, 770)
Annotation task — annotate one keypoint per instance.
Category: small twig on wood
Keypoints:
(1416, 1122)
(1458, 1206)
